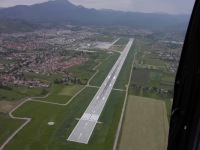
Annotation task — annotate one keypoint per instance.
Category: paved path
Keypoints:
(87, 123)
(27, 120)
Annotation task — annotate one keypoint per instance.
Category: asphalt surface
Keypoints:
(88, 121)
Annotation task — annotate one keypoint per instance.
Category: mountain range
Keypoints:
(60, 12)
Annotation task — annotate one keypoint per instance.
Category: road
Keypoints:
(89, 119)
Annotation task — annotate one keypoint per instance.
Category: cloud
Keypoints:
(10, 3)
(108, 4)
(168, 6)
(165, 6)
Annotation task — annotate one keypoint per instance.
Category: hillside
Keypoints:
(15, 25)
(59, 12)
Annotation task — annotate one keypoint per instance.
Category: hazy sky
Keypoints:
(165, 6)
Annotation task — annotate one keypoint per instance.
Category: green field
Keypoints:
(118, 48)
(19, 92)
(156, 80)
(145, 41)
(84, 71)
(105, 38)
(156, 95)
(168, 79)
(146, 58)
(61, 93)
(7, 61)
(145, 125)
(168, 104)
(149, 78)
(154, 62)
(122, 41)
(124, 74)
(71, 90)
(150, 88)
(8, 126)
(104, 68)
(43, 77)
(155, 75)
(140, 76)
(10, 95)
(38, 135)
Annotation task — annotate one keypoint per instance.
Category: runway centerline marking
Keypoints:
(80, 136)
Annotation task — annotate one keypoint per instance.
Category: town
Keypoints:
(37, 52)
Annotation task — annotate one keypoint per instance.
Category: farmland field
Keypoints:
(150, 77)
(140, 76)
(169, 80)
(155, 75)
(154, 62)
(145, 125)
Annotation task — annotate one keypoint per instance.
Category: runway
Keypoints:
(89, 119)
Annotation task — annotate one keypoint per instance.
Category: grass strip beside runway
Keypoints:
(7, 127)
